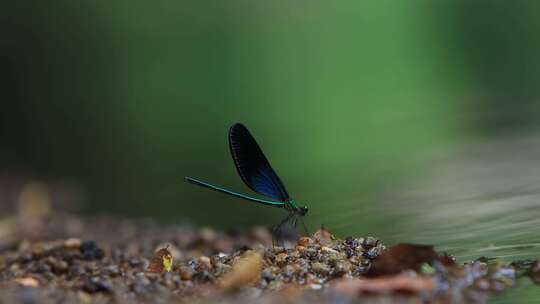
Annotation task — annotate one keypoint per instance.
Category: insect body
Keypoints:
(258, 175)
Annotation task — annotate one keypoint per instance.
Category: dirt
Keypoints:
(68, 259)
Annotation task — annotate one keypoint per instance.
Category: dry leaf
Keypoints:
(323, 236)
(402, 257)
(34, 201)
(384, 285)
(161, 262)
(535, 272)
(245, 271)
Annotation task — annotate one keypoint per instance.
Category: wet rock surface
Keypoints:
(105, 260)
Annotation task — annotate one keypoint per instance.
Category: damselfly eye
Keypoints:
(303, 210)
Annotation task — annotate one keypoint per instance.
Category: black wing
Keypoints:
(252, 165)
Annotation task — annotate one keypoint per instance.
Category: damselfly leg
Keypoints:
(277, 231)
(305, 227)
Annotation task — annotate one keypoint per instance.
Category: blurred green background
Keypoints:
(350, 100)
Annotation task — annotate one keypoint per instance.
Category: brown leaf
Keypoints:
(391, 284)
(535, 272)
(323, 236)
(161, 262)
(245, 271)
(402, 257)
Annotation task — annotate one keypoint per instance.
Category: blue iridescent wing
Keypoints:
(252, 165)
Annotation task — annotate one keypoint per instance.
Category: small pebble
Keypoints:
(186, 272)
(305, 241)
(30, 282)
(320, 268)
(112, 270)
(267, 275)
(281, 258)
(203, 276)
(72, 243)
(341, 268)
(370, 242)
(96, 284)
(205, 262)
(90, 251)
(315, 286)
(135, 262)
(328, 249)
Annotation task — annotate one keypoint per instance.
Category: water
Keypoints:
(483, 200)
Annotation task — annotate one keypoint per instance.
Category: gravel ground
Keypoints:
(68, 259)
